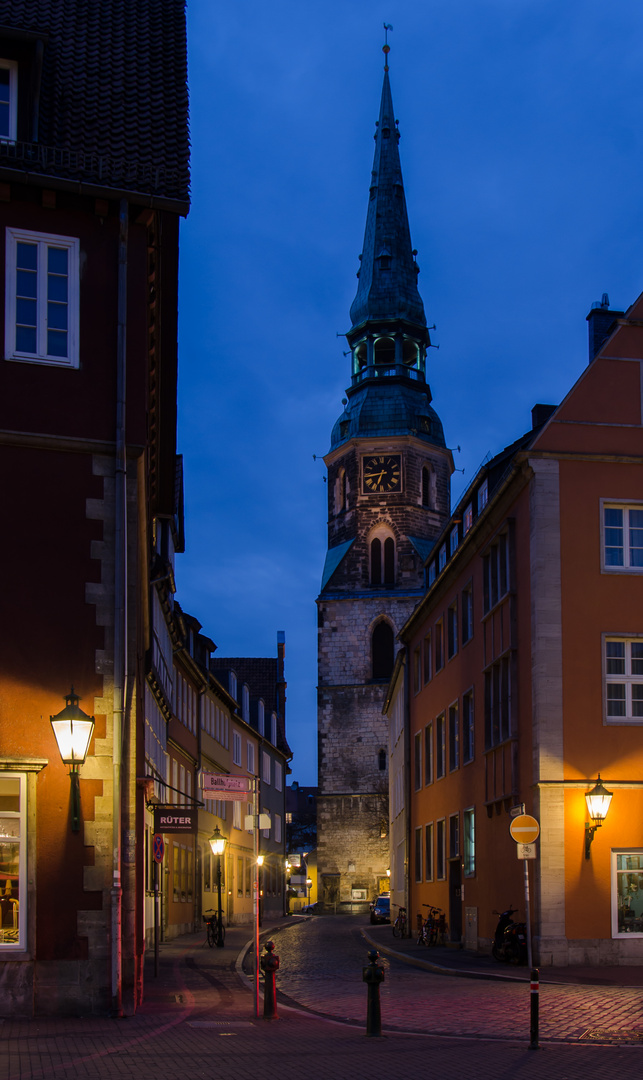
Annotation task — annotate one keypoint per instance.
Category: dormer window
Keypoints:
(384, 259)
(8, 99)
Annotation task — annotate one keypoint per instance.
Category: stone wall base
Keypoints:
(588, 952)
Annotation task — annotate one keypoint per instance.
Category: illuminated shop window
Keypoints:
(13, 860)
(627, 893)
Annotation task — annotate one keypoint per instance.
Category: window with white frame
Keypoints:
(13, 862)
(42, 298)
(279, 776)
(467, 519)
(277, 836)
(467, 727)
(469, 822)
(441, 850)
(624, 680)
(453, 540)
(8, 100)
(251, 756)
(236, 748)
(428, 852)
(266, 816)
(236, 815)
(265, 767)
(622, 537)
(483, 494)
(627, 892)
(418, 853)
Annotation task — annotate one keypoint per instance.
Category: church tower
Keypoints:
(388, 499)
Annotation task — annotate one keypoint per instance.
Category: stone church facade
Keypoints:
(388, 498)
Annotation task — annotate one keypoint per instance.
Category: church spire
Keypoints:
(387, 287)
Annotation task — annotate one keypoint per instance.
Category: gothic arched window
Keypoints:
(383, 650)
(382, 560)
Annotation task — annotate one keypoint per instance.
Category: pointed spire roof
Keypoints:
(388, 272)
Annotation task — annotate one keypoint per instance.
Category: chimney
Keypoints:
(601, 322)
(540, 415)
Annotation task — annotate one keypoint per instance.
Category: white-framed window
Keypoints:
(236, 815)
(627, 892)
(623, 666)
(468, 745)
(8, 100)
(483, 494)
(469, 822)
(418, 853)
(428, 852)
(467, 519)
(13, 862)
(251, 756)
(277, 828)
(265, 767)
(453, 540)
(441, 849)
(266, 832)
(236, 748)
(279, 776)
(42, 298)
(622, 537)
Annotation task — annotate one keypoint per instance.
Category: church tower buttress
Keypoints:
(388, 498)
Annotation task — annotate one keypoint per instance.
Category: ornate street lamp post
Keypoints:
(598, 803)
(218, 842)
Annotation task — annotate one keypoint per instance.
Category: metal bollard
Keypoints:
(269, 965)
(373, 975)
(534, 995)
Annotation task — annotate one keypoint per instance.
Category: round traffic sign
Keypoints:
(524, 829)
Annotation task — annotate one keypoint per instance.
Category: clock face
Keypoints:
(381, 473)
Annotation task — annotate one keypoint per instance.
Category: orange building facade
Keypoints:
(523, 678)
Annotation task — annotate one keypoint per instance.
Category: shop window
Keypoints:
(13, 862)
(627, 893)
(622, 537)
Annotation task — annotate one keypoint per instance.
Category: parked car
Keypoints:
(312, 909)
(381, 909)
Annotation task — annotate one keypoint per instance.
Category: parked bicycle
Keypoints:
(399, 926)
(215, 930)
(433, 927)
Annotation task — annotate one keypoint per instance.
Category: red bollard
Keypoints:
(269, 966)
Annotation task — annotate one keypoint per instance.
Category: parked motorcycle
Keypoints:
(510, 939)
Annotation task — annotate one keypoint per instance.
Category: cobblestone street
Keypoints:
(198, 1021)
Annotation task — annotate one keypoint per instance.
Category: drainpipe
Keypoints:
(120, 609)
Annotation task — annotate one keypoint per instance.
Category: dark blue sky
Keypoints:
(521, 152)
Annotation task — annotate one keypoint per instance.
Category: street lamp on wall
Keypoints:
(598, 803)
(217, 843)
(73, 729)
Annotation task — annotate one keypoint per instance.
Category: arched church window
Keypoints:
(341, 492)
(382, 650)
(382, 560)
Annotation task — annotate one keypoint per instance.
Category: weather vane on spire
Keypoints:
(386, 48)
